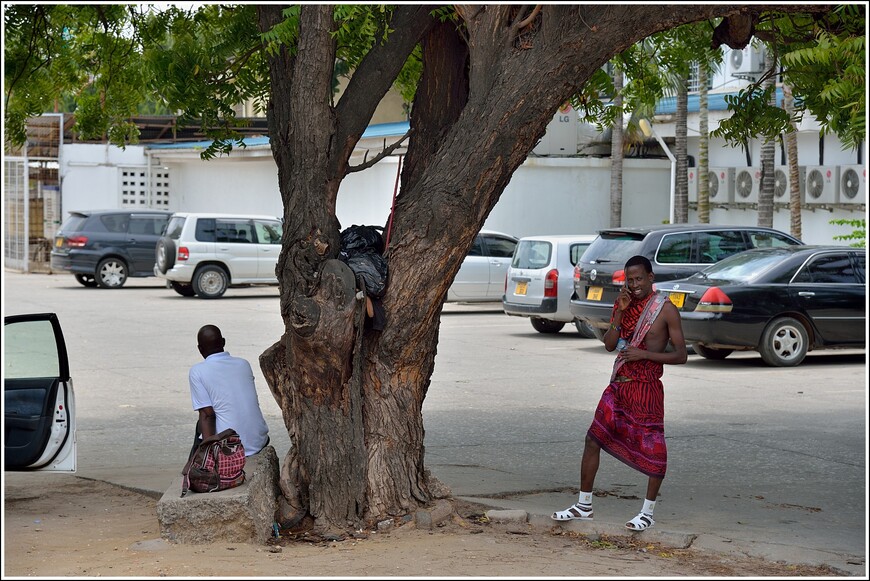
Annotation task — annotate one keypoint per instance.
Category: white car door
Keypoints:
(235, 247)
(472, 281)
(499, 251)
(38, 398)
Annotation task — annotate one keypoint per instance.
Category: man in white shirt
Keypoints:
(222, 391)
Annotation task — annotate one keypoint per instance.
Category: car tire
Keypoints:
(210, 282)
(87, 280)
(546, 325)
(165, 254)
(711, 353)
(185, 290)
(111, 273)
(784, 343)
(586, 330)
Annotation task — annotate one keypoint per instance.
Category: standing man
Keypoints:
(223, 392)
(629, 420)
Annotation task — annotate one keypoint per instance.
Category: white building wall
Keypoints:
(89, 175)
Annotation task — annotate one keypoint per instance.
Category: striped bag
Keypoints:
(217, 463)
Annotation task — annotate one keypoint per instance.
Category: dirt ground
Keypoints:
(82, 528)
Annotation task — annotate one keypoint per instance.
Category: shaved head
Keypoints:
(209, 340)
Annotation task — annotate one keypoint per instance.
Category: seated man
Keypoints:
(223, 392)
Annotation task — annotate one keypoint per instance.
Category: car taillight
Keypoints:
(183, 253)
(551, 284)
(714, 300)
(618, 277)
(77, 241)
(577, 273)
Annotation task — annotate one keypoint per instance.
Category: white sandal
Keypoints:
(641, 522)
(576, 511)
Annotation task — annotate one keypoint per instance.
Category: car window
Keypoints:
(862, 266)
(115, 222)
(715, 245)
(205, 230)
(174, 227)
(675, 249)
(499, 246)
(147, 225)
(740, 267)
(237, 231)
(828, 268)
(576, 252)
(268, 232)
(30, 350)
(476, 247)
(73, 224)
(769, 240)
(613, 248)
(532, 254)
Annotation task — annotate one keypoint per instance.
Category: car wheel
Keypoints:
(185, 290)
(111, 273)
(784, 343)
(546, 325)
(165, 254)
(210, 282)
(87, 280)
(711, 353)
(585, 329)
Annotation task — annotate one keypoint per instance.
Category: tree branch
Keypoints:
(387, 151)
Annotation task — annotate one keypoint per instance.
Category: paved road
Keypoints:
(764, 461)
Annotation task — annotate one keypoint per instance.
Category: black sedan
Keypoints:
(781, 302)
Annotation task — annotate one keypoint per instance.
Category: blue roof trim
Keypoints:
(380, 130)
(715, 102)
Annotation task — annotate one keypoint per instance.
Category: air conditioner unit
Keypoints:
(823, 184)
(721, 185)
(747, 182)
(853, 184)
(746, 61)
(782, 187)
(692, 174)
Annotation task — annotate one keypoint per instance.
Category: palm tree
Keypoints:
(768, 149)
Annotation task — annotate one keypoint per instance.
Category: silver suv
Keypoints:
(204, 254)
(539, 281)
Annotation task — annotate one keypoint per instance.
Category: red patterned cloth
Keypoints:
(629, 420)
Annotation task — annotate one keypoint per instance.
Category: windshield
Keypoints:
(608, 249)
(741, 267)
(532, 254)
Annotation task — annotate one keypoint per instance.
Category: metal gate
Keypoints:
(32, 210)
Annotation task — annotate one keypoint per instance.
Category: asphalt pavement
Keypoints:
(763, 461)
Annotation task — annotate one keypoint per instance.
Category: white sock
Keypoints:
(585, 498)
(648, 507)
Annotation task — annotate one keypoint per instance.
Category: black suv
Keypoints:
(675, 251)
(105, 247)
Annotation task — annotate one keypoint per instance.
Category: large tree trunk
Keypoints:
(617, 139)
(352, 396)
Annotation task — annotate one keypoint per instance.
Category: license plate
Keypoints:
(677, 299)
(594, 293)
(521, 288)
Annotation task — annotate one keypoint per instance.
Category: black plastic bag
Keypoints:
(362, 239)
(372, 268)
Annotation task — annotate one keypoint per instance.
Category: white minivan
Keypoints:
(540, 281)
